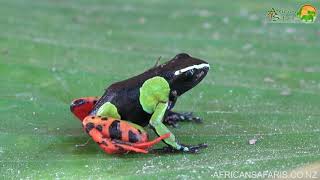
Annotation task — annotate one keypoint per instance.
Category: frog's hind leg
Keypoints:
(140, 146)
(118, 146)
(118, 136)
(149, 144)
(172, 118)
(110, 146)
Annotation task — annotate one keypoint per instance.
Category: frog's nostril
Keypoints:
(206, 68)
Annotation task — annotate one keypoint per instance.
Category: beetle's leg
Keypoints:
(172, 118)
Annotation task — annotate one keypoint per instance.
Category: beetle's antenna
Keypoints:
(157, 62)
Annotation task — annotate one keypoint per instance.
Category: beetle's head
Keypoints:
(184, 72)
(82, 107)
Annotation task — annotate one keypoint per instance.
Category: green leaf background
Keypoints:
(264, 84)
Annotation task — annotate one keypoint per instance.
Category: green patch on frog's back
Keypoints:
(153, 91)
(108, 110)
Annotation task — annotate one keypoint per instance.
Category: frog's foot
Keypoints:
(173, 118)
(184, 148)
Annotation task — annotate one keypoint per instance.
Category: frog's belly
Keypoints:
(128, 106)
(129, 112)
(127, 103)
(133, 112)
(138, 117)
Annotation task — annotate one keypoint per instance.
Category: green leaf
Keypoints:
(52, 52)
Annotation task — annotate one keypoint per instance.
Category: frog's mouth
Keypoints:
(199, 75)
(189, 77)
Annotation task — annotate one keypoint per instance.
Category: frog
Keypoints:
(116, 120)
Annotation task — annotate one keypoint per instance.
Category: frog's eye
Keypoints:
(168, 75)
(189, 73)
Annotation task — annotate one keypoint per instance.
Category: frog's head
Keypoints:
(82, 107)
(184, 72)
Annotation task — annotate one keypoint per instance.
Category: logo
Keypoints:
(307, 13)
(273, 15)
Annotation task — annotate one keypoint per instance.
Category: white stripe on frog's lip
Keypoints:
(197, 66)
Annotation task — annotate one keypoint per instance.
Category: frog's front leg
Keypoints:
(172, 118)
(155, 99)
(161, 129)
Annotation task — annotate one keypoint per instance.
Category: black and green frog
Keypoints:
(145, 99)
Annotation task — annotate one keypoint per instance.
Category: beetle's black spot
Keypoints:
(181, 56)
(99, 128)
(139, 131)
(104, 118)
(95, 101)
(99, 116)
(114, 130)
(92, 117)
(89, 126)
(133, 137)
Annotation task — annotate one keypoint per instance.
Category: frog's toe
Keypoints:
(184, 149)
(195, 148)
(173, 118)
(165, 150)
(188, 116)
